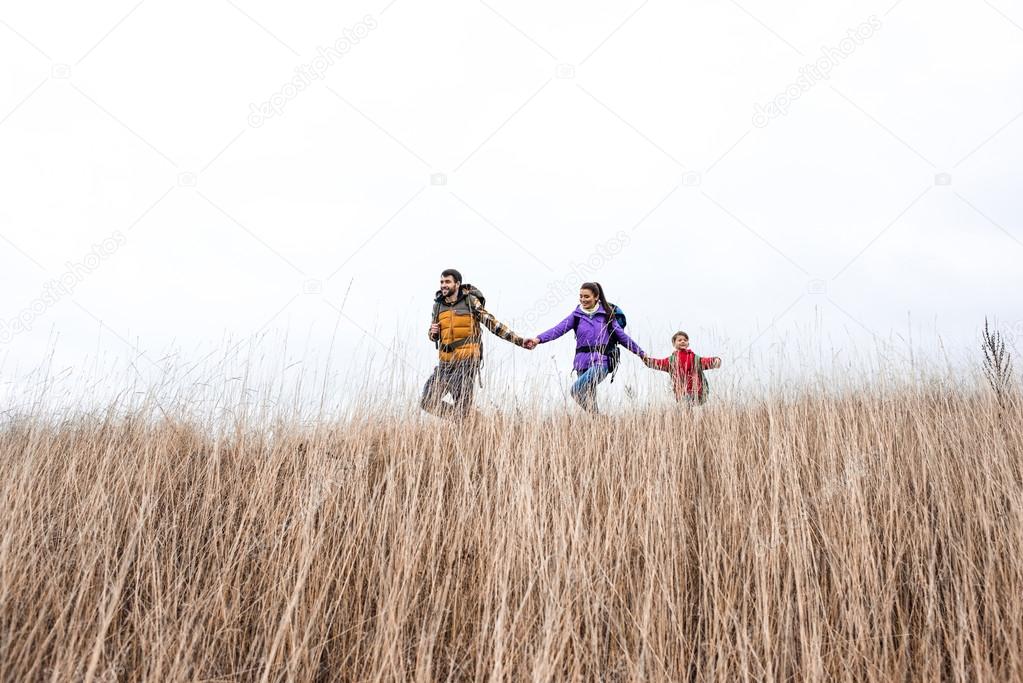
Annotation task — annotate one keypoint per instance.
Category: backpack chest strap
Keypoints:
(602, 350)
(448, 348)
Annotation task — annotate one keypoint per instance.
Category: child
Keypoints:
(686, 370)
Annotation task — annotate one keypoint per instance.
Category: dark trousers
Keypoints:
(457, 379)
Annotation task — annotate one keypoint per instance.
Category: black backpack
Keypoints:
(613, 353)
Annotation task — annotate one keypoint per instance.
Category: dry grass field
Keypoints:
(851, 538)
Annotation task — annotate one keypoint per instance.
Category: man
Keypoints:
(458, 311)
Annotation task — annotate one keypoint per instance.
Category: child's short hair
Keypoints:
(678, 334)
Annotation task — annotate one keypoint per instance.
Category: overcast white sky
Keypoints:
(509, 140)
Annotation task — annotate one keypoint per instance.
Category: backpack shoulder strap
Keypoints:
(704, 387)
(475, 305)
(435, 319)
(475, 302)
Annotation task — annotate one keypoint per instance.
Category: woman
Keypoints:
(595, 327)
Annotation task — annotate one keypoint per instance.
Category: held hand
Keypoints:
(434, 329)
(717, 363)
(530, 344)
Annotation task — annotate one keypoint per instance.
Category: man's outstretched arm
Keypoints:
(496, 326)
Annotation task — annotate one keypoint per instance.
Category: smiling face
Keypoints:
(680, 342)
(448, 285)
(587, 299)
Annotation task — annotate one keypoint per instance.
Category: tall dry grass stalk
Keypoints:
(997, 362)
(866, 538)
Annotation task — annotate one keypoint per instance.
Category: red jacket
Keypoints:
(685, 380)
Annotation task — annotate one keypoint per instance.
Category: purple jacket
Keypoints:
(590, 331)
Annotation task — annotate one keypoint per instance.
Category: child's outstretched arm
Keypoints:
(657, 363)
(711, 363)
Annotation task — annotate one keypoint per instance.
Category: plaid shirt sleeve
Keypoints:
(496, 326)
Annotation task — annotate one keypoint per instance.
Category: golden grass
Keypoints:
(872, 537)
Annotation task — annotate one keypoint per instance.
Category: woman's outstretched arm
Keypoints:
(557, 331)
(626, 341)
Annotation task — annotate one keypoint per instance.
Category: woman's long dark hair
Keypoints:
(598, 292)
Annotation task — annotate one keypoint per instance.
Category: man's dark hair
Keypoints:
(451, 272)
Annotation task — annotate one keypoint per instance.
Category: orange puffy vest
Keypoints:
(460, 335)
